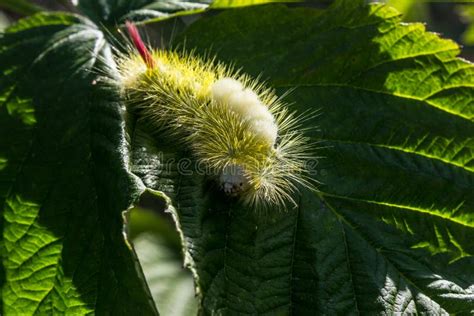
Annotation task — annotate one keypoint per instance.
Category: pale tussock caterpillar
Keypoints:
(230, 121)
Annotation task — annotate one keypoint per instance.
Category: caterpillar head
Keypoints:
(233, 180)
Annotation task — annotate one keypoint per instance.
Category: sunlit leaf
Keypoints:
(391, 229)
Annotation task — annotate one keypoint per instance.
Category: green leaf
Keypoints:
(64, 179)
(158, 246)
(391, 229)
(170, 284)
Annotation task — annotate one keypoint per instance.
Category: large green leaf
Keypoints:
(64, 178)
(392, 228)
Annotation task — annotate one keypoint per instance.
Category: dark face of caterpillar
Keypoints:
(233, 180)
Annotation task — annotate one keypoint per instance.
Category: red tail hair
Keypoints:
(139, 45)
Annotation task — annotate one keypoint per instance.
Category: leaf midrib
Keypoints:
(389, 93)
(405, 150)
(403, 207)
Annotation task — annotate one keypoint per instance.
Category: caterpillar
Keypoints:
(230, 122)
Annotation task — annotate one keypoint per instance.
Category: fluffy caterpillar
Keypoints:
(230, 122)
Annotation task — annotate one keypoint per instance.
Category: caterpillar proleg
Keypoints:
(229, 121)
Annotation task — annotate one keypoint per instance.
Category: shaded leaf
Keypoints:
(112, 12)
(64, 179)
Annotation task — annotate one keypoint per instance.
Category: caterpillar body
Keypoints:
(230, 122)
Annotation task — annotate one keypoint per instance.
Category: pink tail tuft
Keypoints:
(139, 45)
